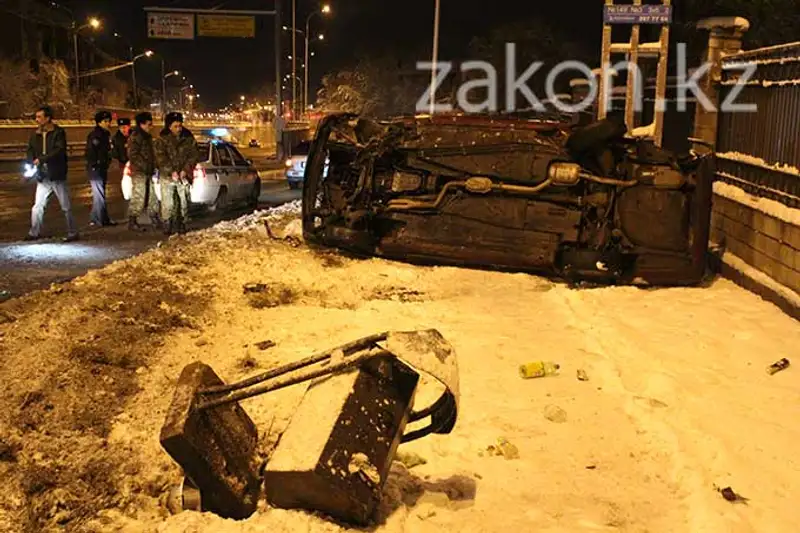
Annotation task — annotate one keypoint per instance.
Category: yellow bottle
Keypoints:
(538, 369)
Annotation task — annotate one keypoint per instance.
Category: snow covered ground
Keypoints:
(677, 401)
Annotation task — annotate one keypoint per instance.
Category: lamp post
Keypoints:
(164, 77)
(93, 23)
(326, 9)
(294, 57)
(435, 55)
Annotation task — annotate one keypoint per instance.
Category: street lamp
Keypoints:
(164, 86)
(326, 9)
(93, 23)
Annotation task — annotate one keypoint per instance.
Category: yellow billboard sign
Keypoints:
(226, 26)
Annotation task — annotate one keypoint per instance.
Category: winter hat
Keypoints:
(143, 117)
(100, 116)
(173, 117)
(123, 122)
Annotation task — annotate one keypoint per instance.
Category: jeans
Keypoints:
(98, 180)
(44, 189)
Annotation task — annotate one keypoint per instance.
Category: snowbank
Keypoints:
(677, 399)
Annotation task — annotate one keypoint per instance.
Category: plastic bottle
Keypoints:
(774, 368)
(538, 369)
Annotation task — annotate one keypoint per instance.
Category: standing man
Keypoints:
(98, 159)
(47, 150)
(120, 142)
(176, 157)
(143, 166)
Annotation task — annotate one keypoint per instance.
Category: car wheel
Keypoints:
(255, 194)
(595, 135)
(221, 202)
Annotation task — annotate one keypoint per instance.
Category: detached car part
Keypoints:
(585, 204)
(336, 453)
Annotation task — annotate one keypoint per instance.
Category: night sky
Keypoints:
(222, 69)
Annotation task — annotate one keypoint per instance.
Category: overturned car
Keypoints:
(586, 204)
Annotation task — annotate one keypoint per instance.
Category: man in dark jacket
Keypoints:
(143, 166)
(176, 156)
(47, 151)
(98, 159)
(120, 142)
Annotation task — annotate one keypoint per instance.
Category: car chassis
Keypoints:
(585, 204)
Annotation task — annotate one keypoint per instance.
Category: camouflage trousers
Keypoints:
(143, 195)
(175, 198)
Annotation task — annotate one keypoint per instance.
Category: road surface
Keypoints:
(30, 266)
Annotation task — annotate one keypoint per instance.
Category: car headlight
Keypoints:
(288, 163)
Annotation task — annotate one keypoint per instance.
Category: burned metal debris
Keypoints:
(335, 455)
(584, 204)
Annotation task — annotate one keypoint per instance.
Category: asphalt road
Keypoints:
(30, 266)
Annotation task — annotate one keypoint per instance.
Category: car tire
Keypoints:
(221, 201)
(255, 194)
(590, 137)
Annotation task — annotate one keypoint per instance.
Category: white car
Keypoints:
(296, 165)
(221, 178)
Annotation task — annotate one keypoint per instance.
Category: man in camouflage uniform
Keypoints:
(143, 165)
(176, 156)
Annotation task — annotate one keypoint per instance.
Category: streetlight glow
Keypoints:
(94, 22)
(326, 9)
(148, 53)
(321, 37)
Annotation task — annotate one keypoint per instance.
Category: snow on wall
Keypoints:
(764, 205)
(757, 161)
(756, 275)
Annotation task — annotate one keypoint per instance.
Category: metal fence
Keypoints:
(760, 151)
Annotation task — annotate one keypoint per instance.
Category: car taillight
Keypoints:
(199, 172)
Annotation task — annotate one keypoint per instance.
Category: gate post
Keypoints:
(725, 39)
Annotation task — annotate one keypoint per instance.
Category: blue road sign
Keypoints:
(629, 14)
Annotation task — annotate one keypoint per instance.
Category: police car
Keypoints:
(222, 177)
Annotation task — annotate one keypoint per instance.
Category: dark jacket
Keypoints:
(174, 154)
(141, 153)
(50, 148)
(98, 150)
(119, 150)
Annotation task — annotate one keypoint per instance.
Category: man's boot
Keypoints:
(155, 220)
(133, 224)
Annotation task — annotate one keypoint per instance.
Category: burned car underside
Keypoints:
(588, 204)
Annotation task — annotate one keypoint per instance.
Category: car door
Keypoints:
(228, 177)
(243, 170)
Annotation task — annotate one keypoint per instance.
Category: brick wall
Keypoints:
(767, 243)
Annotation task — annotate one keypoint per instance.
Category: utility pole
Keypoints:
(77, 72)
(278, 57)
(133, 76)
(294, 57)
(435, 56)
(163, 90)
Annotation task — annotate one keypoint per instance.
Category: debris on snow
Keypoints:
(410, 459)
(555, 414)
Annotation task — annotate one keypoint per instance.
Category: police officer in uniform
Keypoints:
(98, 159)
(120, 142)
